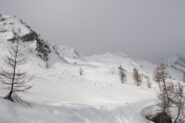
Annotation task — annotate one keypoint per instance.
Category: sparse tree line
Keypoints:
(171, 95)
(137, 77)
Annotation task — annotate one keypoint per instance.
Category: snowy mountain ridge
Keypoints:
(176, 62)
(10, 25)
(61, 94)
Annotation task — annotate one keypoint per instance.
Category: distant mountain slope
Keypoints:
(176, 66)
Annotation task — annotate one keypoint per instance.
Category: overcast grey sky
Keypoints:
(145, 29)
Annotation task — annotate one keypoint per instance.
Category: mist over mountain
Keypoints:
(72, 88)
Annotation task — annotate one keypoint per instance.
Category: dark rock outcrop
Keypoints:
(160, 118)
(42, 48)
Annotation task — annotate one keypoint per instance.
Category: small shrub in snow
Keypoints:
(81, 72)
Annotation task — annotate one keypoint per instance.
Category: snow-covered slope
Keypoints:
(175, 66)
(61, 94)
(10, 26)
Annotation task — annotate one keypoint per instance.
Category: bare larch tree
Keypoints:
(157, 74)
(122, 74)
(136, 77)
(149, 84)
(178, 100)
(11, 77)
(160, 77)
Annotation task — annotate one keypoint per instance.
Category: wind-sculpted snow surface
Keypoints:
(71, 113)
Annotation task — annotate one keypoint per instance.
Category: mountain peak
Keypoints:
(10, 26)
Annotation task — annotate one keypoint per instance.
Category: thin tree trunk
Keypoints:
(13, 77)
(178, 113)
